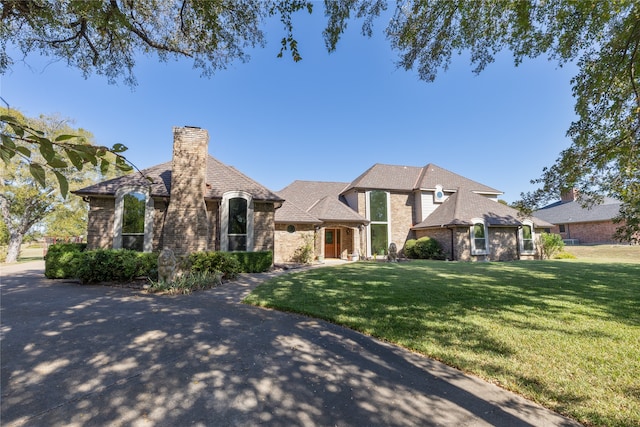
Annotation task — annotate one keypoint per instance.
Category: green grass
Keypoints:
(565, 334)
(606, 253)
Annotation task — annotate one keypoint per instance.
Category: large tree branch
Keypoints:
(132, 25)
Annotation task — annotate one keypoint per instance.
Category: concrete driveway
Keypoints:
(76, 355)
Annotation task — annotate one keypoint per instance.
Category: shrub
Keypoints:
(564, 255)
(115, 265)
(210, 261)
(254, 262)
(4, 251)
(428, 248)
(148, 265)
(305, 253)
(409, 248)
(185, 284)
(62, 260)
(550, 244)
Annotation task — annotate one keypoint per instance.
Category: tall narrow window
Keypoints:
(379, 227)
(527, 239)
(237, 229)
(133, 217)
(478, 239)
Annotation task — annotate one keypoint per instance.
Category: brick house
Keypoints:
(192, 203)
(390, 203)
(196, 203)
(579, 225)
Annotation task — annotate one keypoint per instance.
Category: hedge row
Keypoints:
(72, 260)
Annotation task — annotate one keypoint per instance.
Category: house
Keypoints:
(196, 203)
(192, 203)
(389, 203)
(580, 225)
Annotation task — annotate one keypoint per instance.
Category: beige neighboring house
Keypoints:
(580, 225)
(196, 203)
(391, 204)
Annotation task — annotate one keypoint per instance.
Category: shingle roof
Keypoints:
(220, 178)
(388, 177)
(463, 206)
(305, 194)
(290, 213)
(331, 209)
(433, 175)
(319, 200)
(409, 178)
(571, 212)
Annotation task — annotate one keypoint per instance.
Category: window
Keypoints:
(527, 239)
(237, 224)
(478, 239)
(379, 239)
(291, 228)
(378, 206)
(133, 219)
(561, 227)
(379, 226)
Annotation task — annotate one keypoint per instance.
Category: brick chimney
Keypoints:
(569, 195)
(186, 225)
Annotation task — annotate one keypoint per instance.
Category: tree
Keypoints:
(602, 37)
(25, 201)
(105, 36)
(22, 204)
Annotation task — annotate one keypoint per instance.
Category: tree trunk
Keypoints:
(15, 241)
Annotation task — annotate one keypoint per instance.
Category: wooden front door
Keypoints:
(331, 243)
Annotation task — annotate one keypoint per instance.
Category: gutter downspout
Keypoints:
(453, 251)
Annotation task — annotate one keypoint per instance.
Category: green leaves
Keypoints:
(37, 171)
(21, 140)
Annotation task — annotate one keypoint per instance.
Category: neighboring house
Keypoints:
(193, 203)
(197, 203)
(579, 225)
(391, 204)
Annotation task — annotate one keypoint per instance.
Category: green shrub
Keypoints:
(148, 265)
(409, 248)
(305, 253)
(210, 261)
(564, 255)
(187, 283)
(254, 262)
(4, 251)
(550, 244)
(115, 265)
(63, 259)
(428, 248)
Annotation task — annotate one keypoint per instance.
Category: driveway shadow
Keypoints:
(93, 355)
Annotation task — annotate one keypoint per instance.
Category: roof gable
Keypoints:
(387, 177)
(433, 175)
(306, 193)
(319, 200)
(462, 207)
(220, 178)
(410, 178)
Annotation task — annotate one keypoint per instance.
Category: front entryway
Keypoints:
(332, 246)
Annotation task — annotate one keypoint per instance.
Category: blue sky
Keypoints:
(326, 118)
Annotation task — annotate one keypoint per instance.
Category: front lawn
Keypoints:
(564, 334)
